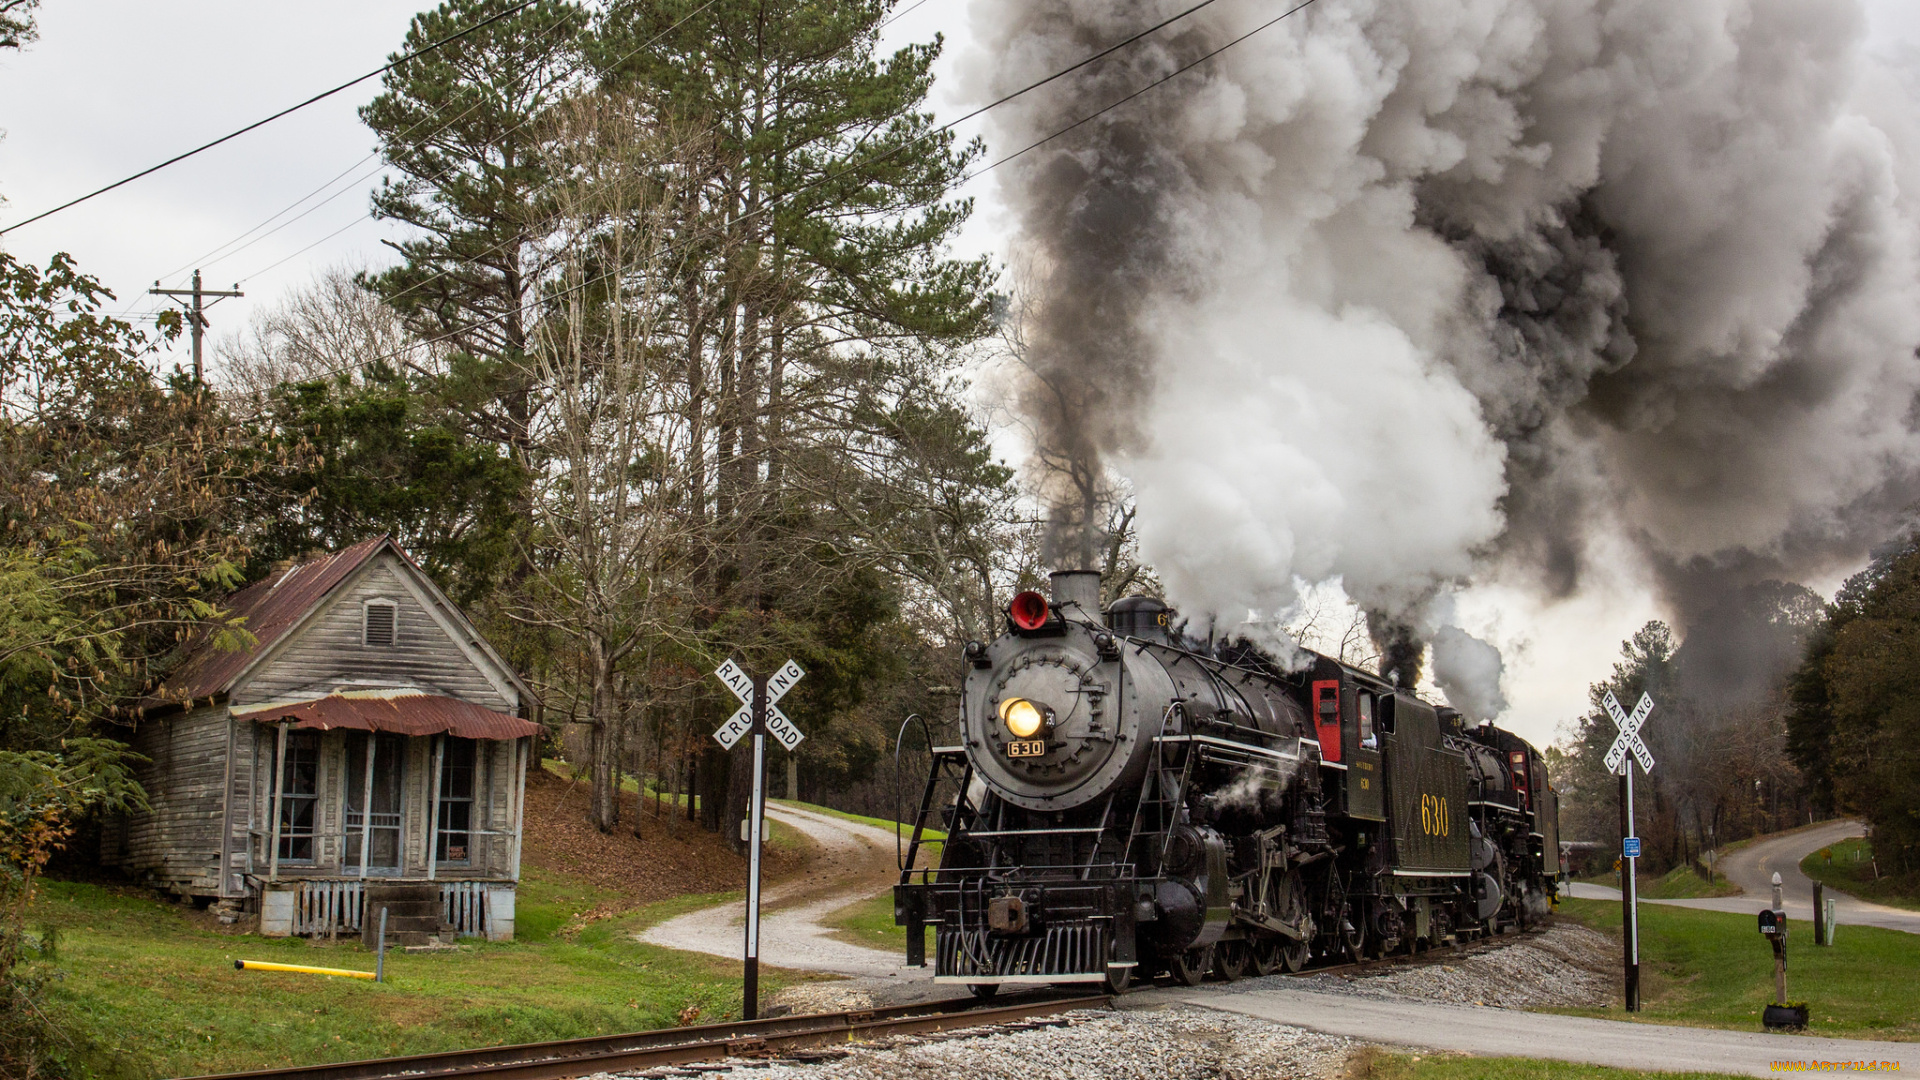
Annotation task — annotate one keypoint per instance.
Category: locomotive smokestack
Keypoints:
(1079, 588)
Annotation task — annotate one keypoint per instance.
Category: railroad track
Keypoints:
(782, 1036)
(785, 1036)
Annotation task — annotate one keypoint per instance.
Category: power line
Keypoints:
(223, 254)
(776, 203)
(523, 5)
(361, 220)
(441, 175)
(898, 15)
(1175, 73)
(942, 129)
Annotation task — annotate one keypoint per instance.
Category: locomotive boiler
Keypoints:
(1123, 801)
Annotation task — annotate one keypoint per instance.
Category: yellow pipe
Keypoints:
(261, 965)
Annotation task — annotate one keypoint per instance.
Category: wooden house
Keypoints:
(368, 739)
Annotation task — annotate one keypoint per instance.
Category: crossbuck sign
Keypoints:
(740, 723)
(1628, 741)
(757, 717)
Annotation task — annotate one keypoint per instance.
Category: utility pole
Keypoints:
(196, 315)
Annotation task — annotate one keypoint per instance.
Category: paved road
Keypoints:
(1752, 869)
(855, 862)
(1506, 1032)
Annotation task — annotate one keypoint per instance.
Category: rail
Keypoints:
(678, 1046)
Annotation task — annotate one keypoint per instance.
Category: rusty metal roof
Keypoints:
(271, 607)
(402, 712)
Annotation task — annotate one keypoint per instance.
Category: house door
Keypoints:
(380, 829)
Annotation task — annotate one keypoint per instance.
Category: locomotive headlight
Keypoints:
(1022, 717)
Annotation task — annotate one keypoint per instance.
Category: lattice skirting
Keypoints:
(339, 907)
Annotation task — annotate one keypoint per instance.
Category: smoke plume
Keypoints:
(1468, 672)
(1407, 294)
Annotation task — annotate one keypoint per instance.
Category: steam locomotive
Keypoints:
(1126, 801)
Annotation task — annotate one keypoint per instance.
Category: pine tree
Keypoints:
(462, 126)
(831, 283)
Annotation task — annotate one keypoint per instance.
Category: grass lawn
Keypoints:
(870, 923)
(931, 840)
(1379, 1065)
(1851, 871)
(1684, 883)
(146, 989)
(1713, 969)
(1680, 883)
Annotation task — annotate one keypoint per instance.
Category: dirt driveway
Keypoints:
(854, 862)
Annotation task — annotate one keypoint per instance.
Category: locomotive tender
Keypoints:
(1128, 801)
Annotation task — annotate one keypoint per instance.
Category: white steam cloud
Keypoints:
(1468, 671)
(1400, 292)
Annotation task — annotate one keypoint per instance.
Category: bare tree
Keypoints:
(332, 327)
(608, 429)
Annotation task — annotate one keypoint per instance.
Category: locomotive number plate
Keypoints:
(1027, 748)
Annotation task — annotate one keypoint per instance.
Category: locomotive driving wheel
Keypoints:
(1264, 955)
(1346, 929)
(1189, 967)
(1290, 904)
(1230, 960)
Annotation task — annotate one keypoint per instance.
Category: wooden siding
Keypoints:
(327, 650)
(494, 784)
(210, 772)
(178, 840)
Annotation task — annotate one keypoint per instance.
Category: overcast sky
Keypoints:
(116, 85)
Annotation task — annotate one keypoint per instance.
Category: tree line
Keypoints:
(668, 366)
(1775, 710)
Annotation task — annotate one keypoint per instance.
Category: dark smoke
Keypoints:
(1402, 650)
(1404, 295)
(1106, 256)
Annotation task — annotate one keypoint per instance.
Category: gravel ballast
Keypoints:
(1175, 1043)
(1566, 966)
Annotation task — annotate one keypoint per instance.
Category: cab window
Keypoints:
(1366, 721)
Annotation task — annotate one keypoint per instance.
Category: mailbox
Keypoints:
(1771, 922)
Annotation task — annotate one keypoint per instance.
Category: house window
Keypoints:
(382, 829)
(454, 838)
(381, 617)
(299, 796)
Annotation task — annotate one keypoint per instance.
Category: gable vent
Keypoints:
(379, 629)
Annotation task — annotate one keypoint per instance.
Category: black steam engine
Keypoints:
(1125, 801)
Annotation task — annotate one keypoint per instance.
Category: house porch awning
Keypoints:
(400, 712)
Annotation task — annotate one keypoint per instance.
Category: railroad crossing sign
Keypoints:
(741, 722)
(759, 718)
(1628, 741)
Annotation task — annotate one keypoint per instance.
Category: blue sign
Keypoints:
(1630, 847)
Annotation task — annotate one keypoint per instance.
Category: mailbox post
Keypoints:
(1773, 924)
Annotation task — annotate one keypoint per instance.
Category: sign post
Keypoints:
(757, 716)
(1627, 743)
